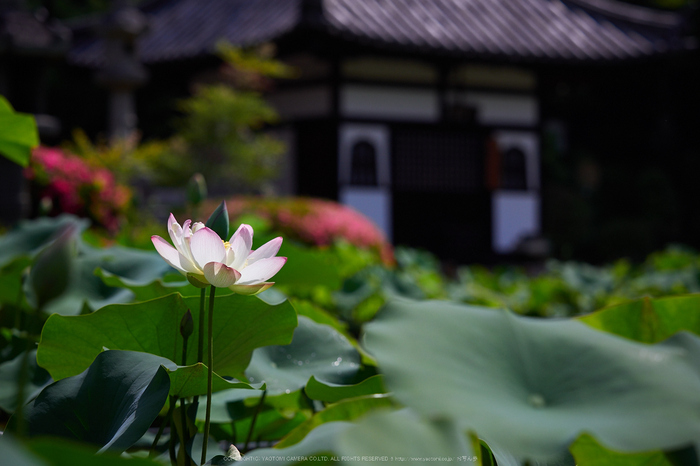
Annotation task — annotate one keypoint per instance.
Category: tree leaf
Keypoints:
(110, 405)
(241, 323)
(18, 134)
(532, 386)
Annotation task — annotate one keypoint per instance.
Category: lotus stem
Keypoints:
(210, 362)
(255, 418)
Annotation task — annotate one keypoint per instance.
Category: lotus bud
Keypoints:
(186, 325)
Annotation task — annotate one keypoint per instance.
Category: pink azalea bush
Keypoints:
(316, 222)
(73, 186)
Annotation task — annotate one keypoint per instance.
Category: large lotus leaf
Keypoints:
(110, 405)
(321, 316)
(375, 439)
(274, 416)
(29, 237)
(51, 269)
(18, 134)
(318, 446)
(316, 350)
(57, 452)
(14, 453)
(587, 451)
(403, 437)
(186, 381)
(36, 377)
(649, 320)
(148, 289)
(130, 265)
(332, 393)
(347, 410)
(307, 268)
(11, 278)
(241, 323)
(533, 386)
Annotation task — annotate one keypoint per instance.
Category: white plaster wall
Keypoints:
(502, 109)
(405, 104)
(375, 203)
(302, 103)
(515, 214)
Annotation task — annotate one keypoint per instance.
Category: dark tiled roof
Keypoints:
(536, 29)
(509, 29)
(25, 33)
(181, 29)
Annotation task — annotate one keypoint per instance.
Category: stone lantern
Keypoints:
(122, 72)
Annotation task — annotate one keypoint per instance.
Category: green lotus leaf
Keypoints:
(532, 386)
(332, 393)
(110, 405)
(154, 287)
(131, 265)
(649, 320)
(319, 443)
(397, 437)
(15, 453)
(55, 452)
(31, 236)
(50, 271)
(186, 381)
(37, 378)
(316, 350)
(587, 451)
(69, 344)
(307, 267)
(347, 410)
(274, 418)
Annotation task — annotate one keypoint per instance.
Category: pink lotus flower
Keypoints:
(205, 259)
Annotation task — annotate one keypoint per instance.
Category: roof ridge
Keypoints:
(631, 13)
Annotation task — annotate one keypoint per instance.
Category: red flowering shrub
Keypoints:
(72, 186)
(315, 221)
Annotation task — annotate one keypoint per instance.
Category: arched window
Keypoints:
(514, 170)
(363, 164)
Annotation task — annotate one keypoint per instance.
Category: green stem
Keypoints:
(153, 452)
(183, 411)
(200, 347)
(22, 382)
(200, 341)
(210, 362)
(171, 445)
(252, 422)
